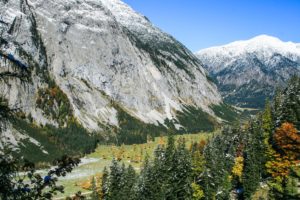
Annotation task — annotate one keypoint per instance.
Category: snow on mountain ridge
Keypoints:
(261, 43)
(248, 71)
(133, 20)
(264, 47)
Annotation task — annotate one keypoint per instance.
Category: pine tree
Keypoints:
(267, 129)
(254, 159)
(147, 185)
(267, 122)
(95, 193)
(290, 109)
(159, 170)
(105, 184)
(130, 179)
(169, 169)
(182, 174)
(115, 181)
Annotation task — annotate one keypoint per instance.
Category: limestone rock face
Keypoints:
(101, 53)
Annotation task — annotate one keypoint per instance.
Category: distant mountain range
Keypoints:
(248, 72)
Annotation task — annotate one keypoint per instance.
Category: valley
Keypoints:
(92, 165)
(97, 102)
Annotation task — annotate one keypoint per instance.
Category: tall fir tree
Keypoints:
(147, 185)
(105, 184)
(129, 180)
(115, 181)
(95, 193)
(182, 175)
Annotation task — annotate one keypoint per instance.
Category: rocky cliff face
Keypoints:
(89, 59)
(249, 71)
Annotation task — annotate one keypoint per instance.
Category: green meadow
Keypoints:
(93, 164)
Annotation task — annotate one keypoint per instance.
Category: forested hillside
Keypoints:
(257, 160)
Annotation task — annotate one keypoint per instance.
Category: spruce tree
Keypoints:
(146, 186)
(130, 179)
(95, 193)
(254, 159)
(169, 168)
(105, 184)
(182, 175)
(115, 181)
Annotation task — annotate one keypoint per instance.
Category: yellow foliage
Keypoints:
(86, 185)
(198, 193)
(238, 167)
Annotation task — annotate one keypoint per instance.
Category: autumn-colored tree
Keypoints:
(161, 141)
(286, 156)
(198, 193)
(201, 145)
(287, 140)
(279, 167)
(238, 167)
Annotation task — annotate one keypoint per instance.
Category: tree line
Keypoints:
(254, 160)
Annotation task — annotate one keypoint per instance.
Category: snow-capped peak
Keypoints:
(249, 71)
(263, 44)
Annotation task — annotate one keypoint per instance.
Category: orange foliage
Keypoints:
(280, 167)
(202, 144)
(161, 141)
(287, 140)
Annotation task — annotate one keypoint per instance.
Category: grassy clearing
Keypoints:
(94, 163)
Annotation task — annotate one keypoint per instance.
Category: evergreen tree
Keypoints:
(105, 184)
(115, 181)
(147, 187)
(289, 110)
(267, 122)
(254, 157)
(130, 179)
(219, 156)
(182, 175)
(95, 193)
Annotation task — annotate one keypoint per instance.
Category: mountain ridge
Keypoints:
(247, 72)
(91, 68)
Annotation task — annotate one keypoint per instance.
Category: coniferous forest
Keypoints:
(258, 159)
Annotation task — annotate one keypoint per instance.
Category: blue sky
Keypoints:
(204, 23)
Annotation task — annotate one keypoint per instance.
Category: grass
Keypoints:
(129, 154)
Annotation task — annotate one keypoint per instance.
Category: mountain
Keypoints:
(98, 66)
(247, 72)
